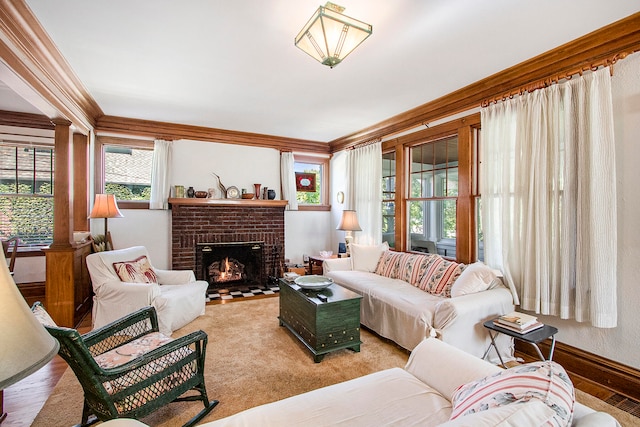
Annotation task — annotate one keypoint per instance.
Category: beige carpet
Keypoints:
(251, 360)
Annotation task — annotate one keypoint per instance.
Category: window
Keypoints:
(433, 193)
(388, 198)
(26, 193)
(312, 175)
(126, 170)
(435, 189)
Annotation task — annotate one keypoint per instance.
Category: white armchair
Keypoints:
(177, 297)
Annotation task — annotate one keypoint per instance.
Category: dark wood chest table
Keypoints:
(323, 321)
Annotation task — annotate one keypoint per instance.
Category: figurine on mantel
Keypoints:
(218, 183)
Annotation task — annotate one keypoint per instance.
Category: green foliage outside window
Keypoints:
(128, 192)
(30, 217)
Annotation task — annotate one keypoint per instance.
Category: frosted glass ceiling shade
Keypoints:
(330, 36)
(26, 346)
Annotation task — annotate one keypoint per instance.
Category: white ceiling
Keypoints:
(233, 65)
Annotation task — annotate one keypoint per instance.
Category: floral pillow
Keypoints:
(388, 264)
(546, 381)
(136, 271)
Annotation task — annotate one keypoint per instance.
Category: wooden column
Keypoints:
(80, 182)
(64, 269)
(465, 210)
(62, 202)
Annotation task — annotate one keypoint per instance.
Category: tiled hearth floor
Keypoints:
(220, 296)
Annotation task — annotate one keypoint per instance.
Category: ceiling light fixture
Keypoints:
(330, 36)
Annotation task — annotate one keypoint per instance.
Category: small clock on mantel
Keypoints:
(233, 192)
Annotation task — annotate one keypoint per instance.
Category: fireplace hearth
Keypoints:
(225, 265)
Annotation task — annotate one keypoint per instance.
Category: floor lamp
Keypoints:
(105, 206)
(26, 344)
(349, 223)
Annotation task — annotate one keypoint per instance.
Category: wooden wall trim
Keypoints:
(25, 120)
(173, 131)
(620, 378)
(29, 52)
(620, 37)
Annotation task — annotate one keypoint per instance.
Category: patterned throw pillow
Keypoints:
(440, 277)
(136, 271)
(413, 267)
(388, 264)
(546, 381)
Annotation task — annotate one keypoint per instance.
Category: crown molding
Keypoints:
(172, 131)
(616, 40)
(30, 53)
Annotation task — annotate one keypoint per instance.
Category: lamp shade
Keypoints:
(349, 221)
(105, 206)
(25, 345)
(330, 36)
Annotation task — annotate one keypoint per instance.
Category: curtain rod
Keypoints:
(364, 144)
(555, 78)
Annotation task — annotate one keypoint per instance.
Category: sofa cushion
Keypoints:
(137, 271)
(546, 381)
(476, 277)
(365, 257)
(440, 277)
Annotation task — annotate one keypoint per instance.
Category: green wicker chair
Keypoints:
(145, 381)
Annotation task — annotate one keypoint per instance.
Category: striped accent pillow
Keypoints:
(546, 381)
(413, 267)
(440, 277)
(388, 264)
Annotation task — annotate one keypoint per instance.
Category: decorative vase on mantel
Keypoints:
(256, 188)
(271, 194)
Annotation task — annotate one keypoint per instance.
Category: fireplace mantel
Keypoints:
(186, 201)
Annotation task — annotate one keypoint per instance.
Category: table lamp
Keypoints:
(26, 344)
(105, 206)
(349, 223)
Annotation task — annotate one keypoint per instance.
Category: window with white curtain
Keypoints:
(549, 198)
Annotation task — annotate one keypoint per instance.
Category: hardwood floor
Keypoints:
(23, 400)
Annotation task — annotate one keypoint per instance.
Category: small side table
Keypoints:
(533, 338)
(316, 261)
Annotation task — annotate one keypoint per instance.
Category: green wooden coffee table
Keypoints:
(324, 321)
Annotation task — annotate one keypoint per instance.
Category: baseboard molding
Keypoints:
(617, 377)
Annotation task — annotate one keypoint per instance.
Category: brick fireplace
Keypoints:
(211, 221)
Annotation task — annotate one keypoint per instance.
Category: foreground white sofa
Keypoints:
(406, 314)
(177, 296)
(418, 395)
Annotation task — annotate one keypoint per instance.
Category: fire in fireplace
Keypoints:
(231, 264)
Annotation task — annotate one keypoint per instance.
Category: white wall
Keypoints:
(338, 168)
(241, 166)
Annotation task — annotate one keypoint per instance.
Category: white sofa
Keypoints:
(418, 395)
(177, 296)
(406, 314)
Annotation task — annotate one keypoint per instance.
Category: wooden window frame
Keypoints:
(101, 142)
(324, 184)
(466, 129)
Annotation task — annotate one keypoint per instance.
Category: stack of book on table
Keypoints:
(518, 322)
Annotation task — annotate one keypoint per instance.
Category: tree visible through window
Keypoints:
(26, 193)
(127, 172)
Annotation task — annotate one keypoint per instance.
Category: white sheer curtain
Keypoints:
(160, 175)
(288, 180)
(364, 191)
(549, 198)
